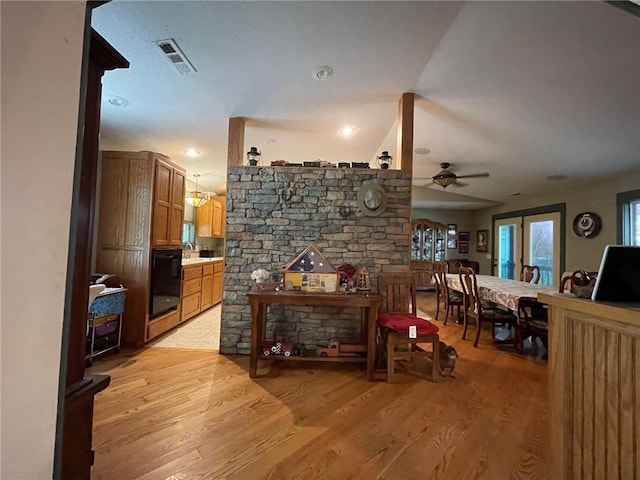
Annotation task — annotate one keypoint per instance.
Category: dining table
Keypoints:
(502, 291)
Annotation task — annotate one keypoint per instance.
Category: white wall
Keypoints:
(41, 60)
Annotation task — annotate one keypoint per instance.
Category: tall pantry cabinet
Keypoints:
(141, 207)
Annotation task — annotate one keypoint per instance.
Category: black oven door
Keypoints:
(166, 281)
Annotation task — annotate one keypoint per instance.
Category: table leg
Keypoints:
(255, 337)
(372, 314)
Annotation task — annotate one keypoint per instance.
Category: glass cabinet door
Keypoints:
(439, 251)
(416, 243)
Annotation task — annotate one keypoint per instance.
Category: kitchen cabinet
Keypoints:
(211, 218)
(141, 207)
(217, 286)
(428, 245)
(201, 287)
(168, 204)
(206, 299)
(191, 290)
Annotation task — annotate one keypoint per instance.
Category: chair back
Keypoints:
(470, 290)
(580, 283)
(398, 293)
(440, 278)
(530, 274)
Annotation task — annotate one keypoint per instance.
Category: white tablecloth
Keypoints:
(502, 291)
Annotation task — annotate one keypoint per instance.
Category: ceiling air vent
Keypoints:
(174, 55)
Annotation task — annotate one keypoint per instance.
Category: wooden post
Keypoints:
(405, 132)
(235, 148)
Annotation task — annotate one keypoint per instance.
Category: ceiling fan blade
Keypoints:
(474, 175)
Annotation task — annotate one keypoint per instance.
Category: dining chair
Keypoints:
(533, 322)
(397, 316)
(530, 274)
(473, 308)
(450, 298)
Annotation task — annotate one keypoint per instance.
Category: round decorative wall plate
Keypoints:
(587, 224)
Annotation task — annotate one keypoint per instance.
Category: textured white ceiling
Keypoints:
(521, 90)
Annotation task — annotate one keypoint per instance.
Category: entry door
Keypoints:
(507, 247)
(542, 245)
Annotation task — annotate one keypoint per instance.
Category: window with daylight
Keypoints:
(628, 213)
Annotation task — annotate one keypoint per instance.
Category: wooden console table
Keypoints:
(260, 300)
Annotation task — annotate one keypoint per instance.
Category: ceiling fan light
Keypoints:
(444, 180)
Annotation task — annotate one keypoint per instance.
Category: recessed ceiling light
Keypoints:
(118, 101)
(269, 141)
(348, 131)
(556, 177)
(422, 151)
(323, 72)
(191, 152)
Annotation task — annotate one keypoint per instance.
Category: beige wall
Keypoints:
(41, 59)
(600, 197)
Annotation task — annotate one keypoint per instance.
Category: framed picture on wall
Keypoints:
(464, 236)
(452, 232)
(463, 247)
(482, 240)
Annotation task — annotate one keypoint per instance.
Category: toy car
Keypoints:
(278, 348)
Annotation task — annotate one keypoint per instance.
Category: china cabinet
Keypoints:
(428, 245)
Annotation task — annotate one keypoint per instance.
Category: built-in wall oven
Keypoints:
(166, 280)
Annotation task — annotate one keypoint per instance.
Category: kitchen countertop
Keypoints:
(200, 260)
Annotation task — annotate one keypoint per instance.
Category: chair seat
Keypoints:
(455, 296)
(539, 324)
(488, 304)
(498, 314)
(400, 322)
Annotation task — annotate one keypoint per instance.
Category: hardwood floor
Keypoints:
(188, 414)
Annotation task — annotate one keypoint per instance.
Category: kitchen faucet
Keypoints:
(188, 246)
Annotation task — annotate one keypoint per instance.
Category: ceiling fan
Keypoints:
(446, 177)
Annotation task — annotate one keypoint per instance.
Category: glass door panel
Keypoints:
(507, 248)
(542, 245)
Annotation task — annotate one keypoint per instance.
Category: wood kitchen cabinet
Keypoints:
(206, 299)
(168, 204)
(191, 290)
(217, 286)
(201, 287)
(211, 218)
(141, 207)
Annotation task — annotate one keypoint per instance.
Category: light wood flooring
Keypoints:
(189, 414)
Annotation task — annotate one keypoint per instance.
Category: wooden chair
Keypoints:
(533, 322)
(474, 309)
(450, 298)
(398, 312)
(530, 274)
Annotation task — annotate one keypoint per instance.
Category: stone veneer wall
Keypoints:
(273, 213)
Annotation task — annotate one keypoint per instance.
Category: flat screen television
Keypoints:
(619, 275)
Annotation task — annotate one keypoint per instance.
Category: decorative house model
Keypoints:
(311, 272)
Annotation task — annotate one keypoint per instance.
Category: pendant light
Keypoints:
(197, 199)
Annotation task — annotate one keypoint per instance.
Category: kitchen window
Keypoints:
(628, 217)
